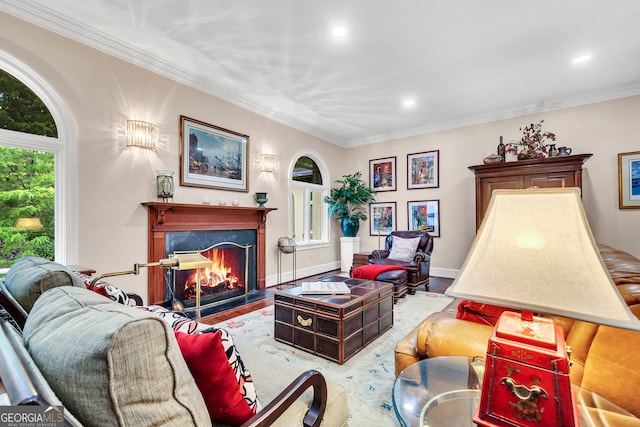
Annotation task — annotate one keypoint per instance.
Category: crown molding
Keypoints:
(558, 104)
(49, 19)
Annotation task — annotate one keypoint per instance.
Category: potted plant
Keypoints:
(348, 202)
(533, 144)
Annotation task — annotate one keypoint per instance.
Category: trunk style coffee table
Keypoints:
(334, 327)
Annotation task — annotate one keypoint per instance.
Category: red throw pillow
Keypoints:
(207, 361)
(479, 312)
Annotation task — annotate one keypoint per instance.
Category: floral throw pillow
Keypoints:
(106, 289)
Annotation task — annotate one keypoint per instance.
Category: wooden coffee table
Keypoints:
(334, 327)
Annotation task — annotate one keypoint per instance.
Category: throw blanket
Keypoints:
(478, 312)
(371, 271)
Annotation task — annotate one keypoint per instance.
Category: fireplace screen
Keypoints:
(231, 275)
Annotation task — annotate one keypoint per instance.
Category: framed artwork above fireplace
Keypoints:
(213, 157)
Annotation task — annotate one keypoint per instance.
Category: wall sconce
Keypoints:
(29, 224)
(142, 134)
(267, 163)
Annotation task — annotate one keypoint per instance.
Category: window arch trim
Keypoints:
(324, 171)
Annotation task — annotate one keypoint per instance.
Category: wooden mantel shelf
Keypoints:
(167, 217)
(163, 209)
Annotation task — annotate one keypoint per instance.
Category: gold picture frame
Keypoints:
(213, 157)
(629, 180)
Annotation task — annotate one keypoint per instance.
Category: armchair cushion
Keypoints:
(214, 374)
(30, 276)
(97, 356)
(404, 249)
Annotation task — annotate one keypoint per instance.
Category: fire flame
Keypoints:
(219, 277)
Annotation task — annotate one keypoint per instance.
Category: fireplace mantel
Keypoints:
(166, 217)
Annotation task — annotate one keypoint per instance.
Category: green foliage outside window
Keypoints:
(26, 191)
(26, 177)
(21, 109)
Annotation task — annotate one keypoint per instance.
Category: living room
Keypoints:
(100, 92)
(93, 93)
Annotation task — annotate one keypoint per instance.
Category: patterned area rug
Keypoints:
(367, 377)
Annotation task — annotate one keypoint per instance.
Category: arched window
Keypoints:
(308, 212)
(38, 178)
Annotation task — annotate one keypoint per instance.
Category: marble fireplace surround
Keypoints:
(167, 217)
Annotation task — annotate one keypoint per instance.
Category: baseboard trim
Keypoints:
(448, 273)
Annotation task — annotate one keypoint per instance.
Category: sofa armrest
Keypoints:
(15, 379)
(442, 335)
(13, 307)
(289, 395)
(23, 383)
(448, 336)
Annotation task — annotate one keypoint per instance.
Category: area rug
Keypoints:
(367, 377)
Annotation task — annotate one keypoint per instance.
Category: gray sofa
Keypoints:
(110, 364)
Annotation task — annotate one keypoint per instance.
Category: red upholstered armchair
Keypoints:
(416, 258)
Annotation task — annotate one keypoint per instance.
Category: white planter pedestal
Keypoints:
(348, 247)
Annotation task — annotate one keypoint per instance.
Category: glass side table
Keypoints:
(445, 391)
(438, 391)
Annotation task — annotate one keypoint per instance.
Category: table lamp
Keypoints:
(535, 252)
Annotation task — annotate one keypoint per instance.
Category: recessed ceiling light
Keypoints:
(409, 103)
(339, 32)
(582, 58)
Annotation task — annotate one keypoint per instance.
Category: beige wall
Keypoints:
(102, 92)
(603, 129)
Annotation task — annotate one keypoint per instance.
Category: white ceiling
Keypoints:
(461, 61)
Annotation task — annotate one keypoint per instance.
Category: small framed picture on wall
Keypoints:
(382, 217)
(424, 216)
(629, 180)
(423, 170)
(382, 174)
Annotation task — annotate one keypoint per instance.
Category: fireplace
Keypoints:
(236, 234)
(233, 266)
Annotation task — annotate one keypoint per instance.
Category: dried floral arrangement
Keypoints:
(533, 144)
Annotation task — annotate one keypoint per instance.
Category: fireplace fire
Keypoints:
(225, 279)
(232, 274)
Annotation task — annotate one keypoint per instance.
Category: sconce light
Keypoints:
(142, 134)
(267, 163)
(29, 224)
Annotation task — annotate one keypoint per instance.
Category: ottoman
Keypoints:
(398, 277)
(399, 280)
